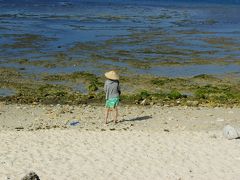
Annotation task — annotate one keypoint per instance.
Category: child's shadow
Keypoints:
(142, 118)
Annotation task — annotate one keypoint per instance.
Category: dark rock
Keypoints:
(31, 176)
(19, 128)
(166, 130)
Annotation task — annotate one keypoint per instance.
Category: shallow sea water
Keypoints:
(51, 30)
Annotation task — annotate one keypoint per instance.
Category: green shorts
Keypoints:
(112, 103)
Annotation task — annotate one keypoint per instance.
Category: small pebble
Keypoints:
(166, 130)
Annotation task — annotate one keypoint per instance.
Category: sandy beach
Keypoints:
(179, 69)
(150, 142)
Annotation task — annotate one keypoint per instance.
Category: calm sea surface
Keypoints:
(165, 38)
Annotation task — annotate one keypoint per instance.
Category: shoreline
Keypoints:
(153, 118)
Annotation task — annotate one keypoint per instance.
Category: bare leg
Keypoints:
(116, 115)
(106, 116)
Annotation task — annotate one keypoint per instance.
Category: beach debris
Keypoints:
(143, 102)
(31, 176)
(74, 123)
(230, 132)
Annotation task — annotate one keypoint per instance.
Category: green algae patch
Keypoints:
(222, 94)
(150, 98)
(73, 76)
(26, 40)
(202, 90)
(223, 42)
(193, 31)
(92, 82)
(49, 94)
(85, 47)
(7, 73)
(204, 76)
(41, 63)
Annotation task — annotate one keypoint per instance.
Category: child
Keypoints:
(112, 90)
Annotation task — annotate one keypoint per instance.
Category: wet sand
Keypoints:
(150, 142)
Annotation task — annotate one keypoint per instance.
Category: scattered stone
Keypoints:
(112, 129)
(166, 130)
(151, 103)
(31, 176)
(170, 118)
(220, 119)
(172, 104)
(214, 136)
(19, 128)
(192, 103)
(103, 129)
(38, 128)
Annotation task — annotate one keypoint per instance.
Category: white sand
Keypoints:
(140, 152)
(71, 154)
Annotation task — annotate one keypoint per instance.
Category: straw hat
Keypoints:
(112, 75)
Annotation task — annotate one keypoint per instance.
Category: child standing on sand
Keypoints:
(112, 90)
